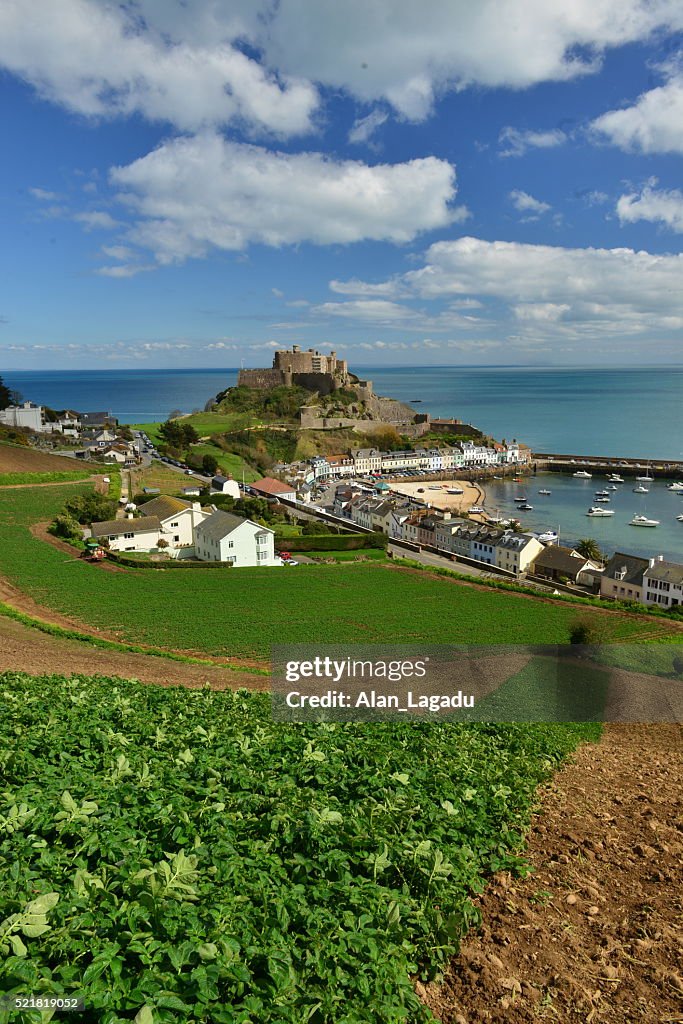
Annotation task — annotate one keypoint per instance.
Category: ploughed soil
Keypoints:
(23, 649)
(594, 934)
(22, 459)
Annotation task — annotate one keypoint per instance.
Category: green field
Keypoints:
(183, 852)
(7, 479)
(242, 612)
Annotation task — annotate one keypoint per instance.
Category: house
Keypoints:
(178, 518)
(564, 565)
(128, 534)
(98, 419)
(366, 461)
(189, 492)
(28, 415)
(273, 490)
(517, 551)
(340, 465)
(225, 485)
(224, 537)
(663, 583)
(622, 579)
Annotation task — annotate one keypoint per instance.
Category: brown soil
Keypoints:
(593, 934)
(20, 459)
(23, 649)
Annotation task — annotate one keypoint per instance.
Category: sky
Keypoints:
(200, 182)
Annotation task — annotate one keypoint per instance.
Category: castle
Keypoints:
(311, 370)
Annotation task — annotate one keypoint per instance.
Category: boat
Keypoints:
(520, 498)
(526, 507)
(614, 487)
(545, 492)
(582, 473)
(680, 519)
(643, 521)
(647, 478)
(549, 537)
(640, 489)
(476, 510)
(615, 478)
(602, 494)
(454, 490)
(435, 487)
(595, 510)
(677, 485)
(603, 497)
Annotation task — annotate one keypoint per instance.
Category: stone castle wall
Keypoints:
(262, 379)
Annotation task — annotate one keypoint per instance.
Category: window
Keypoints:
(174, 524)
(231, 544)
(128, 536)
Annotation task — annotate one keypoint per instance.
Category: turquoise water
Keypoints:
(635, 413)
(565, 510)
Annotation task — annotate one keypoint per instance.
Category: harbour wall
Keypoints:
(567, 463)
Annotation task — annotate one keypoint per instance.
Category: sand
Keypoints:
(473, 493)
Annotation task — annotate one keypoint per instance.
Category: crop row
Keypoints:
(187, 854)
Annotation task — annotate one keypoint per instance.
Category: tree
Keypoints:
(588, 547)
(5, 395)
(209, 464)
(161, 543)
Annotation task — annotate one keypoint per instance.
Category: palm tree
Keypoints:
(588, 547)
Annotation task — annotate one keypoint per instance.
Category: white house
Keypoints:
(225, 485)
(27, 415)
(663, 583)
(366, 461)
(178, 519)
(273, 490)
(224, 537)
(129, 534)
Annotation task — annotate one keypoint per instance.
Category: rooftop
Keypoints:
(271, 486)
(117, 527)
(165, 506)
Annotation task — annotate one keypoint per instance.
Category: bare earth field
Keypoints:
(594, 933)
(17, 459)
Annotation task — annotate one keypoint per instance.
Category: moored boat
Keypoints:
(677, 485)
(582, 473)
(595, 510)
(544, 491)
(640, 489)
(549, 537)
(643, 521)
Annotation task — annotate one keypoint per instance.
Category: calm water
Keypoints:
(630, 413)
(634, 413)
(565, 510)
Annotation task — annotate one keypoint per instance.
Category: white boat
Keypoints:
(677, 485)
(476, 510)
(595, 510)
(647, 478)
(526, 507)
(602, 497)
(454, 490)
(680, 519)
(550, 537)
(641, 490)
(602, 494)
(643, 521)
(584, 474)
(545, 492)
(435, 487)
(614, 487)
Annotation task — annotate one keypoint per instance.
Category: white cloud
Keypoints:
(548, 291)
(99, 59)
(277, 293)
(365, 127)
(96, 220)
(385, 289)
(119, 252)
(182, 62)
(517, 142)
(194, 194)
(525, 203)
(377, 311)
(44, 195)
(124, 269)
(653, 124)
(653, 205)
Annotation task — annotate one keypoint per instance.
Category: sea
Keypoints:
(634, 412)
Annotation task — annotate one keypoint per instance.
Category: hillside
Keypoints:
(16, 458)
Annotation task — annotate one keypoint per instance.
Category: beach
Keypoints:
(473, 494)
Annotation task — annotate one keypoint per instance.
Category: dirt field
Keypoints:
(594, 934)
(17, 459)
(23, 649)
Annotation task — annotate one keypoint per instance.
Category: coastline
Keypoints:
(473, 494)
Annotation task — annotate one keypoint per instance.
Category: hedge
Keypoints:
(172, 563)
(334, 542)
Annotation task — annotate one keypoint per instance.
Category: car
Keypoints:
(420, 490)
(284, 555)
(291, 561)
(189, 472)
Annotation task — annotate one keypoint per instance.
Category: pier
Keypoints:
(659, 468)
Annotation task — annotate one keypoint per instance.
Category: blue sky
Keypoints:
(196, 184)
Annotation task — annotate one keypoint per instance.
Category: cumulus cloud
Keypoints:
(100, 59)
(553, 292)
(185, 63)
(377, 311)
(654, 205)
(653, 124)
(195, 194)
(43, 195)
(525, 203)
(516, 142)
(96, 220)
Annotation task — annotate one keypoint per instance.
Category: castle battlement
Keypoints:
(309, 369)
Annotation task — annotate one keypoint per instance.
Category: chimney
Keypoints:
(660, 558)
(446, 516)
(652, 562)
(129, 515)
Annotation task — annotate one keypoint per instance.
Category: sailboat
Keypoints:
(647, 478)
